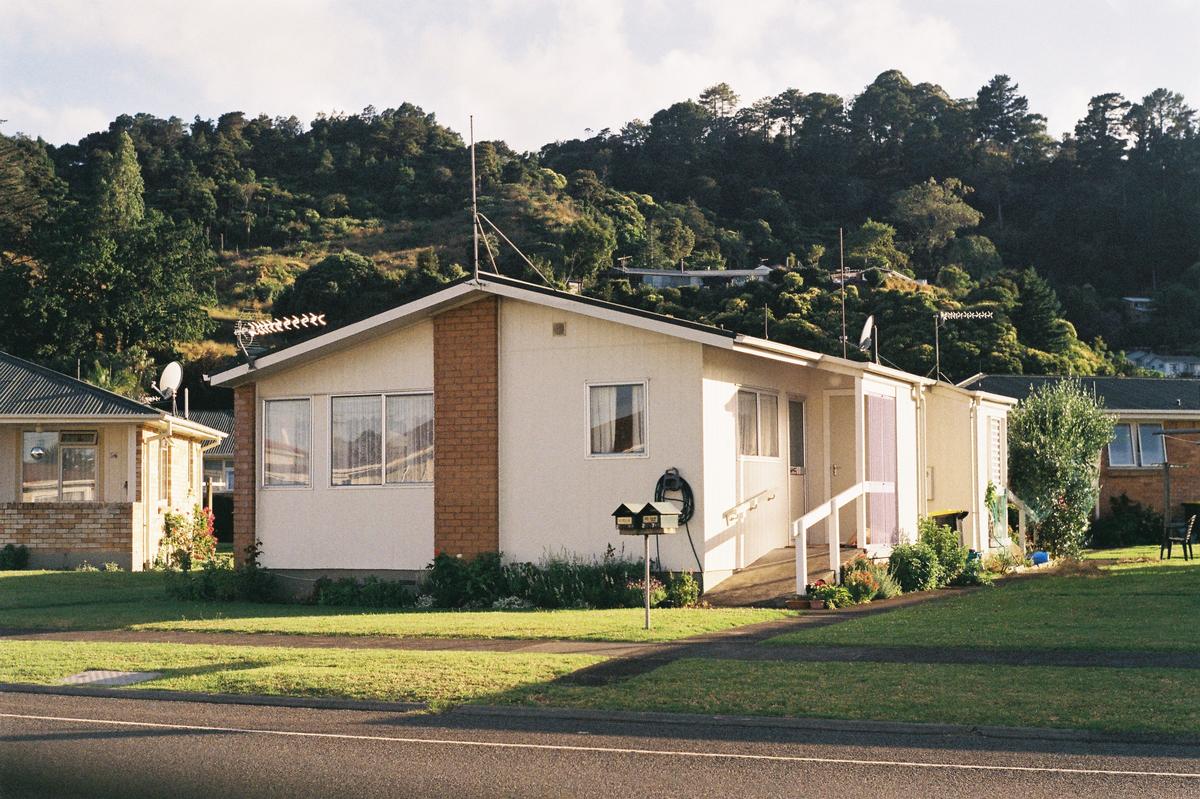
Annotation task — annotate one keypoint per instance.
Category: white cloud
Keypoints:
(530, 70)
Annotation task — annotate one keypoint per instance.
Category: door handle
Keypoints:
(835, 469)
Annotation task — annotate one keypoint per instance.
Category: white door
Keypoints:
(797, 490)
(840, 433)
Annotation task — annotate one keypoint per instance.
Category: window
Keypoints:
(1151, 449)
(287, 442)
(357, 455)
(58, 467)
(997, 452)
(1137, 444)
(1120, 449)
(382, 438)
(617, 419)
(758, 424)
(410, 438)
(220, 472)
(164, 469)
(796, 435)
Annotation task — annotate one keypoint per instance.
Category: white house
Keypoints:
(496, 415)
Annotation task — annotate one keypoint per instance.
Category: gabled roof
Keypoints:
(29, 390)
(1159, 394)
(218, 420)
(469, 289)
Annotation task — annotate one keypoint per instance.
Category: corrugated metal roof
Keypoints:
(27, 389)
(217, 420)
(1118, 393)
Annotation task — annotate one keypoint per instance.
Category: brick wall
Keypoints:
(466, 430)
(1146, 485)
(245, 474)
(61, 535)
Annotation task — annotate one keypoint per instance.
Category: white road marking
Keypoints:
(610, 749)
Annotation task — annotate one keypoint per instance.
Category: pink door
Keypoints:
(882, 511)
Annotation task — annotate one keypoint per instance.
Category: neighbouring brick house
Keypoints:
(86, 474)
(494, 415)
(1143, 408)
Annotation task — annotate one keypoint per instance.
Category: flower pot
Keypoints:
(816, 604)
(795, 604)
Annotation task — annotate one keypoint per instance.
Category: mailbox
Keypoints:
(628, 518)
(660, 517)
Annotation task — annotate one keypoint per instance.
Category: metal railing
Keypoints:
(829, 510)
(748, 504)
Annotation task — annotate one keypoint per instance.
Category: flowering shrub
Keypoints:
(862, 586)
(636, 592)
(187, 539)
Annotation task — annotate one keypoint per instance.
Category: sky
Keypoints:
(535, 71)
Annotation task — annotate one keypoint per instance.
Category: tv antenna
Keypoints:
(247, 330)
(477, 229)
(168, 383)
(869, 337)
(842, 263)
(940, 319)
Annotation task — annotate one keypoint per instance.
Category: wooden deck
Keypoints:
(772, 577)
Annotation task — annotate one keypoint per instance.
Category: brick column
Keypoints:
(466, 488)
(245, 473)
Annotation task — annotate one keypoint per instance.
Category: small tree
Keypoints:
(1054, 437)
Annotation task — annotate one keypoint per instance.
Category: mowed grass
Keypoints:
(137, 601)
(1126, 606)
(1140, 552)
(1114, 700)
(438, 678)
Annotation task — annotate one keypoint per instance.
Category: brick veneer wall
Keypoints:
(60, 535)
(466, 484)
(245, 473)
(1146, 485)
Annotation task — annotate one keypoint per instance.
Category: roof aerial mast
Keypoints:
(474, 201)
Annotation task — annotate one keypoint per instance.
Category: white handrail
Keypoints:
(829, 510)
(748, 504)
(1023, 513)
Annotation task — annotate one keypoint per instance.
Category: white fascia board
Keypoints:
(194, 428)
(608, 314)
(1125, 413)
(334, 340)
(833, 363)
(983, 396)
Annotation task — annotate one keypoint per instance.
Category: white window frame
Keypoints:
(1135, 443)
(759, 393)
(262, 445)
(587, 419)
(94, 445)
(383, 398)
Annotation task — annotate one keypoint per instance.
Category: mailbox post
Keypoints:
(646, 519)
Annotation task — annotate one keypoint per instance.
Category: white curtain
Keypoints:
(603, 404)
(410, 438)
(288, 442)
(357, 443)
(747, 411)
(768, 424)
(618, 419)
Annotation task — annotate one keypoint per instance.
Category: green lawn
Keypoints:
(1128, 606)
(435, 677)
(1144, 700)
(1143, 552)
(136, 601)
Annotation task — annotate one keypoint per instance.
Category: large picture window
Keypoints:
(382, 438)
(58, 467)
(617, 419)
(758, 424)
(287, 443)
(1137, 444)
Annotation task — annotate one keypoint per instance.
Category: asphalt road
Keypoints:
(70, 746)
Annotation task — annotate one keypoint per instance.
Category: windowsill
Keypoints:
(1135, 469)
(616, 456)
(378, 486)
(760, 458)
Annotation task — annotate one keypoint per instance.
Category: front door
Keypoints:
(840, 432)
(797, 490)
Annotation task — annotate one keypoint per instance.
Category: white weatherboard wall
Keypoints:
(554, 497)
(359, 527)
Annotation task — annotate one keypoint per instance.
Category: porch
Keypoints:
(766, 581)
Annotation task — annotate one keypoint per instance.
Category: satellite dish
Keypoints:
(867, 334)
(168, 382)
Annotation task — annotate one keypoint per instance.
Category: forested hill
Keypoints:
(140, 242)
